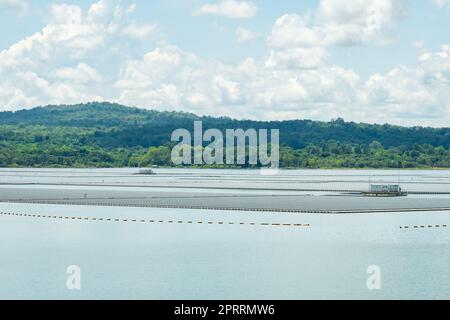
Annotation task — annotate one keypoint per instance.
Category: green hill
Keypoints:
(106, 134)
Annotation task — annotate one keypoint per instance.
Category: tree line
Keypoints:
(111, 135)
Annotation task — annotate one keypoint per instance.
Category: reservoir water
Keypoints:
(187, 253)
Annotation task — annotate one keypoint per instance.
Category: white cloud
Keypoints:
(168, 78)
(245, 35)
(38, 90)
(82, 73)
(19, 6)
(357, 22)
(139, 31)
(211, 87)
(292, 30)
(65, 14)
(51, 66)
(302, 41)
(230, 9)
(442, 3)
(156, 66)
(414, 94)
(67, 33)
(11, 96)
(339, 23)
(297, 58)
(98, 9)
(79, 56)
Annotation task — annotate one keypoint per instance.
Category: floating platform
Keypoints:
(385, 194)
(148, 172)
(237, 200)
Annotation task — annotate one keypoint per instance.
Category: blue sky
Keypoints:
(363, 60)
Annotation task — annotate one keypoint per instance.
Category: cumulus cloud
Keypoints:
(414, 93)
(229, 8)
(154, 67)
(295, 78)
(339, 23)
(292, 30)
(82, 73)
(168, 78)
(212, 87)
(139, 31)
(442, 3)
(50, 66)
(245, 35)
(297, 58)
(303, 41)
(357, 22)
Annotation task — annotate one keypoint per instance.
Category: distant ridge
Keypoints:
(121, 126)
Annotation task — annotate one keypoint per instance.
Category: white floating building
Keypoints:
(385, 190)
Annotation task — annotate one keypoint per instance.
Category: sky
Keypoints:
(374, 61)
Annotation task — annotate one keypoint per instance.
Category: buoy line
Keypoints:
(427, 226)
(154, 221)
(156, 206)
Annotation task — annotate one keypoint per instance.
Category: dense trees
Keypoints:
(110, 135)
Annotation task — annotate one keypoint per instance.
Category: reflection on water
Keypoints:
(411, 180)
(158, 261)
(328, 259)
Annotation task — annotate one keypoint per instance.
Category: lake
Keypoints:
(180, 253)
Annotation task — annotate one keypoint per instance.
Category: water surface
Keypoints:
(327, 258)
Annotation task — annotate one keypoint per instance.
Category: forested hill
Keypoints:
(105, 134)
(124, 126)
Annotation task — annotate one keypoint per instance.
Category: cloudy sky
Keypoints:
(373, 61)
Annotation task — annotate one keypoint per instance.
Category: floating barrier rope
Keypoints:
(153, 221)
(428, 226)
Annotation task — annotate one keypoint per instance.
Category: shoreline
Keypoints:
(236, 168)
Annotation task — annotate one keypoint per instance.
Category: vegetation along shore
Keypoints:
(111, 135)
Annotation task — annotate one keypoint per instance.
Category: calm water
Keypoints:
(134, 260)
